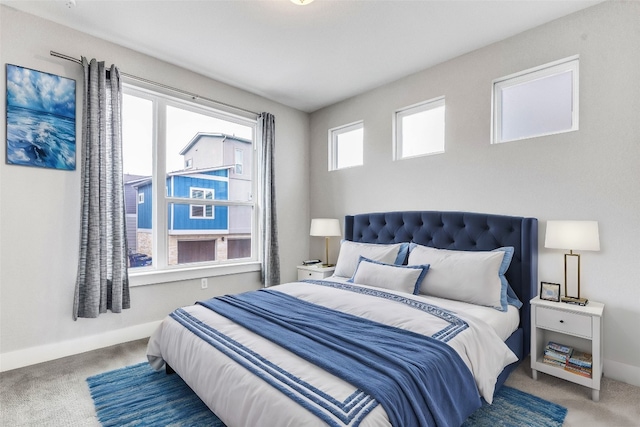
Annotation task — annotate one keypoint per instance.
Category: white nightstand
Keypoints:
(310, 272)
(577, 326)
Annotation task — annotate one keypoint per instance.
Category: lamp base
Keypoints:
(328, 265)
(574, 300)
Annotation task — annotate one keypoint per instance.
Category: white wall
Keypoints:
(40, 208)
(590, 174)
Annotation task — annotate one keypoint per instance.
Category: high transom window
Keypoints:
(536, 102)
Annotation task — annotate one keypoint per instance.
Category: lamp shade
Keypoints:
(572, 235)
(325, 227)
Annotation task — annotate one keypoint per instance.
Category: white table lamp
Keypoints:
(325, 227)
(574, 236)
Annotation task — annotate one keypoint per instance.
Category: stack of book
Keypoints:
(557, 354)
(580, 363)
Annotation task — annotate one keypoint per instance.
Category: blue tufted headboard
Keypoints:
(463, 231)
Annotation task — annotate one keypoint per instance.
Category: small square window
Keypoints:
(419, 129)
(536, 102)
(346, 146)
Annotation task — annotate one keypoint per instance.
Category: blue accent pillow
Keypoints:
(403, 278)
(403, 253)
(508, 294)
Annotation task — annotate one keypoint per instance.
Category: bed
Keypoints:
(368, 346)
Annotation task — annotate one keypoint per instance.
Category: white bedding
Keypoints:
(240, 398)
(503, 322)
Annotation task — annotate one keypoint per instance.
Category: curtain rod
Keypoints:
(173, 89)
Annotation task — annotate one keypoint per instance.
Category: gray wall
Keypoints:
(40, 208)
(589, 174)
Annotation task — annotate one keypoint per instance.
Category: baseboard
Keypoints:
(622, 372)
(45, 353)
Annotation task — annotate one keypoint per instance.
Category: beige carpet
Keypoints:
(56, 393)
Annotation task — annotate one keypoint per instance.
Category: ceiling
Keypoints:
(306, 57)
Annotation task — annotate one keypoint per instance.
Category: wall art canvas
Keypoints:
(41, 119)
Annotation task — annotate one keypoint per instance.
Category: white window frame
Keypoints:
(188, 163)
(204, 215)
(140, 198)
(160, 271)
(334, 135)
(400, 114)
(570, 64)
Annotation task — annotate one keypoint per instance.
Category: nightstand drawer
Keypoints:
(314, 275)
(563, 321)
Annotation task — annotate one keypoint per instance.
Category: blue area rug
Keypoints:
(139, 396)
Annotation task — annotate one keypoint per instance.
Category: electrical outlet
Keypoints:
(204, 283)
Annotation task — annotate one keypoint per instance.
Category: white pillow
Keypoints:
(468, 276)
(401, 278)
(350, 253)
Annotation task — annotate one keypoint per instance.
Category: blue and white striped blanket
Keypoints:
(416, 378)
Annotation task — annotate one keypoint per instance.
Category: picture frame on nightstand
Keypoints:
(550, 291)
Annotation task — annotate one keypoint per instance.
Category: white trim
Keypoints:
(180, 272)
(209, 177)
(33, 355)
(622, 372)
(569, 64)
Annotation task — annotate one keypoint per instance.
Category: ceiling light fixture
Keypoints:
(301, 2)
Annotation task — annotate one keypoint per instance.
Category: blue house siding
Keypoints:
(179, 214)
(144, 209)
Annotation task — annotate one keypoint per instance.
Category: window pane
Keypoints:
(540, 107)
(137, 148)
(213, 146)
(422, 131)
(536, 102)
(225, 228)
(349, 148)
(184, 127)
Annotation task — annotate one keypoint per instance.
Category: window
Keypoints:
(202, 211)
(175, 151)
(419, 129)
(346, 146)
(536, 102)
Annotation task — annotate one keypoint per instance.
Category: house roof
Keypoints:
(138, 182)
(224, 137)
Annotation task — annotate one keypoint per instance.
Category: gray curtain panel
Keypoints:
(102, 283)
(270, 254)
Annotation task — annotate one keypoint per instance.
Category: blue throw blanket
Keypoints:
(418, 380)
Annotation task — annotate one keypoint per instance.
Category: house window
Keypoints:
(346, 146)
(174, 151)
(536, 102)
(202, 211)
(419, 129)
(140, 198)
(239, 156)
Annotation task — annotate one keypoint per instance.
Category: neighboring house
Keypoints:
(131, 208)
(217, 167)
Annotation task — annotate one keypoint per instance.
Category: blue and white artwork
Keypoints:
(41, 119)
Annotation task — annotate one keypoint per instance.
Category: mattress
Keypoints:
(242, 398)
